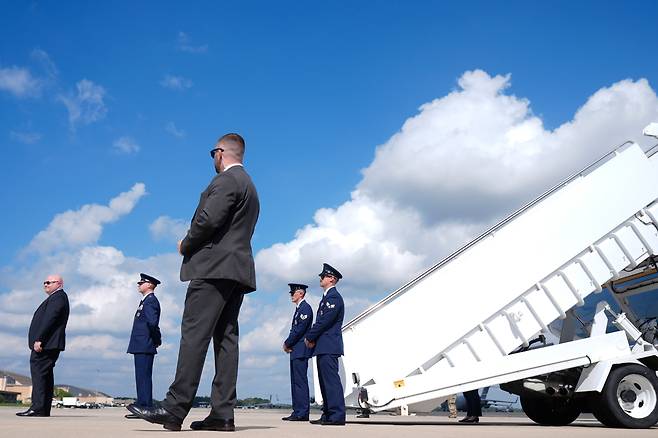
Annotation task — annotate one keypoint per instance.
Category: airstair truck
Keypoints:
(472, 320)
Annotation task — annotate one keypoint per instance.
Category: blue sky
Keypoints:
(95, 98)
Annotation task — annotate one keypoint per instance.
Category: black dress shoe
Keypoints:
(131, 416)
(318, 421)
(31, 413)
(291, 418)
(222, 425)
(470, 420)
(333, 423)
(287, 418)
(157, 415)
(363, 414)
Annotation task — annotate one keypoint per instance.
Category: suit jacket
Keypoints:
(301, 322)
(218, 243)
(145, 336)
(49, 322)
(327, 330)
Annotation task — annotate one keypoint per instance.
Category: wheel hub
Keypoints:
(636, 396)
(628, 396)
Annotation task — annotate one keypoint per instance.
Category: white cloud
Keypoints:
(95, 347)
(443, 161)
(184, 44)
(75, 228)
(126, 145)
(19, 82)
(176, 82)
(47, 64)
(171, 128)
(85, 105)
(269, 336)
(456, 167)
(260, 361)
(12, 345)
(166, 228)
(25, 137)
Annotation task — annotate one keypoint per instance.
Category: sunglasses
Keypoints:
(46, 283)
(214, 151)
(142, 282)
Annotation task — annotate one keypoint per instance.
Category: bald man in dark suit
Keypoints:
(46, 339)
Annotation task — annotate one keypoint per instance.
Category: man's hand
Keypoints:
(179, 243)
(309, 344)
(286, 348)
(37, 346)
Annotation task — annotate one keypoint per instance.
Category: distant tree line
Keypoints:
(252, 401)
(59, 393)
(249, 401)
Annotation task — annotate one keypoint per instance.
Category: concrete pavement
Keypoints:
(109, 422)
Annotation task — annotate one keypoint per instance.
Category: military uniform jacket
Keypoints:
(48, 324)
(301, 322)
(145, 336)
(218, 243)
(327, 330)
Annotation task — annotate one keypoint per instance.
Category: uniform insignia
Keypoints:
(331, 306)
(137, 315)
(302, 316)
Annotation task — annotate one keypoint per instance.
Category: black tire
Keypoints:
(550, 411)
(609, 408)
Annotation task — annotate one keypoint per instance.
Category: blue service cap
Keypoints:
(296, 286)
(148, 279)
(327, 269)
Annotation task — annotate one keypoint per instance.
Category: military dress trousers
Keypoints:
(144, 340)
(299, 356)
(328, 338)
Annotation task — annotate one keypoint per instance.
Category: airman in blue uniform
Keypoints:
(326, 337)
(144, 340)
(299, 353)
(473, 407)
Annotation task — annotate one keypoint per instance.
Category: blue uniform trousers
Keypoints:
(333, 401)
(473, 404)
(299, 387)
(143, 381)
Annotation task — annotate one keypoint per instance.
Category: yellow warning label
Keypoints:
(398, 383)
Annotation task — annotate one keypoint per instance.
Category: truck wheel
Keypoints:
(550, 411)
(629, 398)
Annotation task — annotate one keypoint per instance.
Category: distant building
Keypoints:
(9, 397)
(21, 386)
(16, 384)
(87, 395)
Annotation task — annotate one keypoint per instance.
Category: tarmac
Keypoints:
(109, 422)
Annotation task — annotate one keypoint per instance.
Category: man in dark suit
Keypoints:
(299, 353)
(473, 407)
(46, 339)
(145, 338)
(217, 258)
(326, 337)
